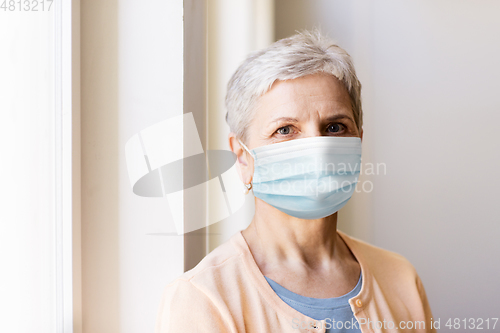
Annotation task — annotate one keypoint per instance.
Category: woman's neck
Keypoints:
(276, 238)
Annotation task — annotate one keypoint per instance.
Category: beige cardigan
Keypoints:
(226, 292)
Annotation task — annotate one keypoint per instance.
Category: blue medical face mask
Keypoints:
(307, 178)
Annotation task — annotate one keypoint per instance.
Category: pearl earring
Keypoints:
(248, 187)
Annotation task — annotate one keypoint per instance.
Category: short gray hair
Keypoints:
(305, 53)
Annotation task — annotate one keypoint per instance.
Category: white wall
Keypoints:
(430, 73)
(27, 172)
(235, 28)
(131, 70)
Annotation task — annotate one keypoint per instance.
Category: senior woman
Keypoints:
(294, 111)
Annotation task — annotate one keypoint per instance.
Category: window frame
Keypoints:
(67, 161)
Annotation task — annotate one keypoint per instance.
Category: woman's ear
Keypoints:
(244, 161)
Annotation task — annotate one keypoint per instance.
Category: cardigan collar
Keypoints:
(358, 303)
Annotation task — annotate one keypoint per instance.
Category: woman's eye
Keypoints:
(285, 130)
(335, 128)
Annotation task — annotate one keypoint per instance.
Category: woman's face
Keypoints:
(313, 105)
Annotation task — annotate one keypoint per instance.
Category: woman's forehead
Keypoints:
(318, 93)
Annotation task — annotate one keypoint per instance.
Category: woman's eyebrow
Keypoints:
(339, 116)
(285, 119)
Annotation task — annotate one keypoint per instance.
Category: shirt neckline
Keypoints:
(277, 303)
(331, 303)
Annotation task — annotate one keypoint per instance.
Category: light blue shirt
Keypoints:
(336, 310)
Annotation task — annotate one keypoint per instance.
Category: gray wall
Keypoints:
(431, 98)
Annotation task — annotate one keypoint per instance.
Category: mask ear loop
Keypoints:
(246, 148)
(248, 187)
